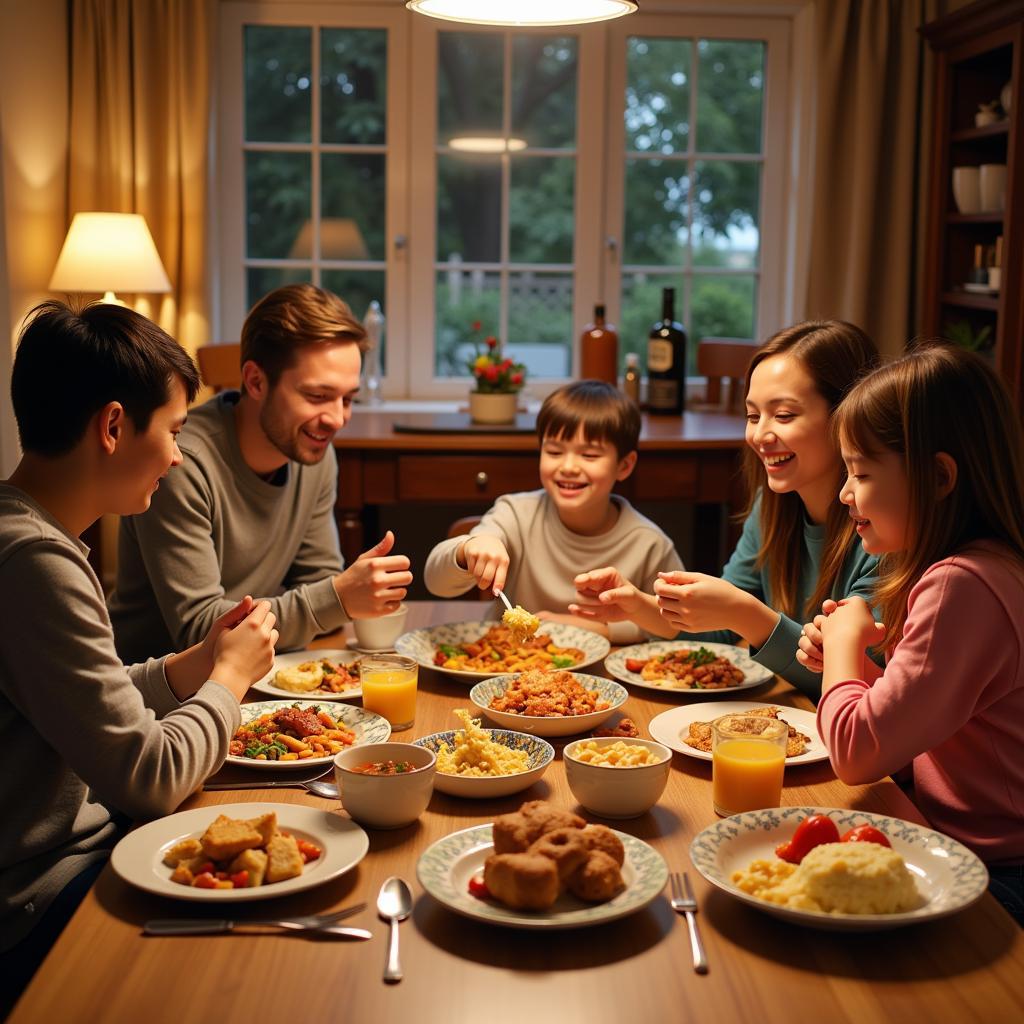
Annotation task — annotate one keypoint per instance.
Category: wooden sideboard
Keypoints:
(689, 459)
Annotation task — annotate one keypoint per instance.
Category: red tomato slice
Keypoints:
(866, 834)
(811, 832)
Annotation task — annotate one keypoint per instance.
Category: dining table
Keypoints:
(968, 966)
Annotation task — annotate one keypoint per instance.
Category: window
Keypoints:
(513, 178)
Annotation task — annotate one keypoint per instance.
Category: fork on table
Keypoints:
(683, 903)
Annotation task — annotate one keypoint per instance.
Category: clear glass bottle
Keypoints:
(374, 324)
(666, 359)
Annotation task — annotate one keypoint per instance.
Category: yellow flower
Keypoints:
(482, 362)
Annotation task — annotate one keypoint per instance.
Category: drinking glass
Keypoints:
(389, 687)
(748, 756)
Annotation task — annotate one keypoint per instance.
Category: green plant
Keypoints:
(494, 373)
(963, 334)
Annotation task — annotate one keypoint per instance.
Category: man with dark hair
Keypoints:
(99, 396)
(252, 509)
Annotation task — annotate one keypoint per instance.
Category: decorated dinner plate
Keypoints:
(753, 673)
(291, 659)
(138, 857)
(671, 726)
(553, 725)
(948, 876)
(368, 727)
(421, 644)
(445, 868)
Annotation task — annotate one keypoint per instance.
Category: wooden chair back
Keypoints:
(724, 358)
(219, 365)
(459, 528)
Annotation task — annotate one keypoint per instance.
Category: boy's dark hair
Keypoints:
(602, 412)
(291, 317)
(72, 361)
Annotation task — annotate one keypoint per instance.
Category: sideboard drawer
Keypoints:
(465, 477)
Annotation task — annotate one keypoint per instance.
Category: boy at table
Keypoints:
(252, 509)
(99, 397)
(535, 543)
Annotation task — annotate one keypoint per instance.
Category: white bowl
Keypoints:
(617, 792)
(541, 754)
(381, 633)
(562, 725)
(385, 801)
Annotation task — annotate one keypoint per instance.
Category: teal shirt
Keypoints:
(778, 652)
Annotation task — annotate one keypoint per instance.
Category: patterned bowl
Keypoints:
(540, 752)
(948, 875)
(564, 725)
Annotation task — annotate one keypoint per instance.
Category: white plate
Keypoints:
(670, 726)
(753, 674)
(138, 857)
(421, 644)
(293, 658)
(562, 725)
(947, 874)
(483, 787)
(445, 868)
(368, 727)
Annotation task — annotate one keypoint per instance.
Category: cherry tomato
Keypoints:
(309, 851)
(635, 664)
(811, 832)
(478, 888)
(865, 834)
(240, 879)
(204, 880)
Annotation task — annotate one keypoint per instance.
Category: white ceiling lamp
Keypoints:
(524, 13)
(486, 144)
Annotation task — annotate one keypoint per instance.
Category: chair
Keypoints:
(458, 529)
(728, 358)
(219, 365)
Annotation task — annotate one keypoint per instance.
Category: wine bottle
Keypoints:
(666, 359)
(599, 350)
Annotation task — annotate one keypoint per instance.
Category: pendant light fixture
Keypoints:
(523, 13)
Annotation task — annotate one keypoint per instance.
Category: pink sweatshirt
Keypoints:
(951, 700)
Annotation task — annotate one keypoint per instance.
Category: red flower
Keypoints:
(491, 373)
(492, 342)
(506, 364)
(517, 378)
(477, 325)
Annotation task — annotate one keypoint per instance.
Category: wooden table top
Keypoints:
(968, 967)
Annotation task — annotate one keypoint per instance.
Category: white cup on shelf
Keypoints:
(967, 189)
(992, 187)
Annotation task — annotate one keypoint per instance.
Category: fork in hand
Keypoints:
(686, 904)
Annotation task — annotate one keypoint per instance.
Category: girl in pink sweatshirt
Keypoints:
(934, 454)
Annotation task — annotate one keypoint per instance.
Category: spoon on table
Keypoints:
(394, 904)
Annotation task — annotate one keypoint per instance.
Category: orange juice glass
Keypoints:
(748, 756)
(389, 687)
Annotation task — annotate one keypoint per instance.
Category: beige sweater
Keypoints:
(545, 556)
(80, 732)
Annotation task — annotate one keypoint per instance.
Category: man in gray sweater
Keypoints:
(99, 397)
(251, 510)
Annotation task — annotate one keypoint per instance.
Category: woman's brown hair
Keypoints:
(938, 398)
(835, 354)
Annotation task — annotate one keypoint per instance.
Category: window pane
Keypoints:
(462, 298)
(278, 69)
(658, 94)
(260, 280)
(722, 307)
(641, 310)
(469, 84)
(359, 288)
(725, 214)
(656, 198)
(353, 84)
(277, 205)
(730, 93)
(540, 327)
(468, 208)
(544, 90)
(352, 206)
(541, 209)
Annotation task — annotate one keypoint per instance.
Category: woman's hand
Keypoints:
(811, 645)
(486, 558)
(605, 595)
(694, 603)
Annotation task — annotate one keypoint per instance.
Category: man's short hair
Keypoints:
(602, 412)
(290, 318)
(71, 362)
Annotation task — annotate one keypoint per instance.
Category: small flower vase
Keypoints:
(493, 407)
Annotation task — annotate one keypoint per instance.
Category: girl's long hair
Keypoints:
(938, 398)
(835, 354)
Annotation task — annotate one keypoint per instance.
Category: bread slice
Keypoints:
(228, 837)
(283, 859)
(266, 825)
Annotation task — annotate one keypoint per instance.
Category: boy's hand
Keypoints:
(244, 652)
(811, 653)
(605, 595)
(485, 557)
(374, 584)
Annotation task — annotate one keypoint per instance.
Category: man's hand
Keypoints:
(374, 584)
(486, 558)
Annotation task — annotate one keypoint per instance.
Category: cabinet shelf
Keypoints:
(975, 218)
(970, 300)
(984, 132)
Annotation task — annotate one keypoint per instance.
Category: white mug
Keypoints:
(967, 189)
(381, 633)
(992, 186)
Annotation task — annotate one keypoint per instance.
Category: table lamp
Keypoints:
(109, 252)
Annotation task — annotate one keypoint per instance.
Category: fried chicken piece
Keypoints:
(699, 735)
(302, 722)
(522, 881)
(597, 879)
(601, 837)
(517, 831)
(565, 848)
(625, 728)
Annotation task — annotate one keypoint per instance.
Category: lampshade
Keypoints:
(524, 13)
(340, 239)
(486, 144)
(108, 252)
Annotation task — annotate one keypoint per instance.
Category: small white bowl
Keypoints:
(617, 792)
(385, 801)
(380, 634)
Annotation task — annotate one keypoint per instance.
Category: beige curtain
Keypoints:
(869, 175)
(139, 135)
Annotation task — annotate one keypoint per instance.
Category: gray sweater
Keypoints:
(216, 531)
(80, 732)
